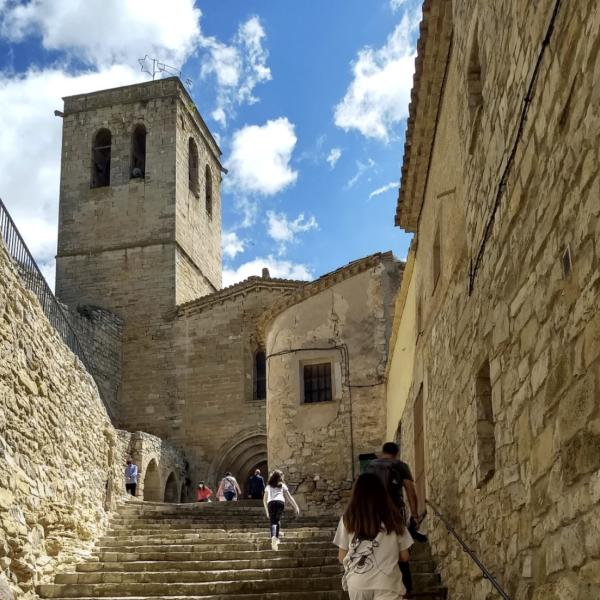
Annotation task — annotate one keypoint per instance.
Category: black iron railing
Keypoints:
(35, 282)
(486, 574)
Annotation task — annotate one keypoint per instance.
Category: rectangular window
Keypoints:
(317, 383)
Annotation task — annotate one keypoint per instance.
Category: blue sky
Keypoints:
(308, 100)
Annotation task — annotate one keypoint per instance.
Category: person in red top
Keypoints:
(203, 493)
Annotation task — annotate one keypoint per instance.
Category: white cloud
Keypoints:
(333, 156)
(103, 32)
(237, 67)
(379, 94)
(284, 231)
(361, 169)
(232, 244)
(30, 147)
(383, 189)
(396, 4)
(260, 156)
(283, 269)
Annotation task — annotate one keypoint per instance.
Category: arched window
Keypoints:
(209, 202)
(193, 166)
(260, 375)
(138, 152)
(474, 90)
(101, 159)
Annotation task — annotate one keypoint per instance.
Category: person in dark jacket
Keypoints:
(256, 486)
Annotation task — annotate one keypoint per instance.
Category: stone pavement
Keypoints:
(218, 551)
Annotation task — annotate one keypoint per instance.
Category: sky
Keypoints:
(308, 101)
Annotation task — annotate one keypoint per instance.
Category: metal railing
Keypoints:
(486, 574)
(35, 282)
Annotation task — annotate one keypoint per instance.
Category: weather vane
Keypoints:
(153, 67)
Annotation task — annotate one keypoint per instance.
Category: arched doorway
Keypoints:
(171, 489)
(152, 489)
(242, 456)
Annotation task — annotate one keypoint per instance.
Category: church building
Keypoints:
(259, 373)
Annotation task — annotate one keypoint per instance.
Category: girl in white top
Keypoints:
(274, 499)
(372, 538)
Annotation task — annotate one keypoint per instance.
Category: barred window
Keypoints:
(317, 383)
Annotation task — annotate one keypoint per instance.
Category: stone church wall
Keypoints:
(526, 498)
(221, 425)
(58, 449)
(347, 325)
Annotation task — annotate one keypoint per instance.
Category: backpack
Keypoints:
(390, 476)
(228, 484)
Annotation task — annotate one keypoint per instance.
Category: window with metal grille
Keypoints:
(317, 383)
(260, 376)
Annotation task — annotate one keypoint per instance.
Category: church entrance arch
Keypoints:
(171, 491)
(152, 489)
(241, 457)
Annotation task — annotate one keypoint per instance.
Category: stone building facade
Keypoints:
(501, 187)
(140, 239)
(332, 333)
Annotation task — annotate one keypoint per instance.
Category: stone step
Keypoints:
(273, 561)
(286, 595)
(237, 585)
(227, 554)
(421, 580)
(201, 576)
(213, 534)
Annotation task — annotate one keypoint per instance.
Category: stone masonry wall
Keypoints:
(100, 333)
(348, 325)
(215, 341)
(57, 447)
(535, 522)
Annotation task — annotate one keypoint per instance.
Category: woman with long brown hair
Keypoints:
(372, 538)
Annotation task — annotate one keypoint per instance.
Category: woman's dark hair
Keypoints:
(227, 474)
(275, 478)
(371, 506)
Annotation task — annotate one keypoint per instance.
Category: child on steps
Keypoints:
(274, 499)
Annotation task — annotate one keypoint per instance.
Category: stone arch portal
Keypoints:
(152, 488)
(241, 457)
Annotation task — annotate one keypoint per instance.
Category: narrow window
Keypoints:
(193, 166)
(101, 159)
(317, 383)
(474, 91)
(260, 376)
(419, 317)
(485, 456)
(436, 258)
(209, 203)
(138, 152)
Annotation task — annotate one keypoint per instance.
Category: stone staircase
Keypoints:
(220, 551)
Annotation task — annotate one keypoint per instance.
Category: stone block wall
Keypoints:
(346, 324)
(535, 520)
(100, 333)
(57, 447)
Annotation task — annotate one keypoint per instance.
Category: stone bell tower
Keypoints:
(139, 221)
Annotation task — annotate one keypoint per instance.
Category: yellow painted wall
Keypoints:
(400, 364)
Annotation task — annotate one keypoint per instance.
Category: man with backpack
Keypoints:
(397, 478)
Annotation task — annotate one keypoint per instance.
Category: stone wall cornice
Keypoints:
(430, 66)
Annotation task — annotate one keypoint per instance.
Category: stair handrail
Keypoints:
(468, 550)
(36, 283)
